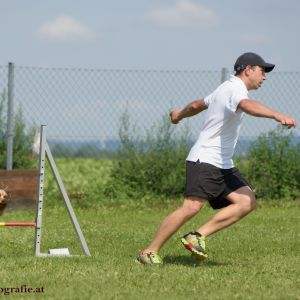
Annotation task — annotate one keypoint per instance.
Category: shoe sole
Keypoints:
(139, 262)
(195, 253)
(146, 264)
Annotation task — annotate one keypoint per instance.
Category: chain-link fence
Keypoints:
(83, 107)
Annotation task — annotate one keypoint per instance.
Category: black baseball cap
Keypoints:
(252, 59)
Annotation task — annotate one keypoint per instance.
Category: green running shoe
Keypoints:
(195, 243)
(150, 258)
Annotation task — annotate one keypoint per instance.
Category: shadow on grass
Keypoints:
(190, 261)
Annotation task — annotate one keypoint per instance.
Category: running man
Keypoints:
(210, 173)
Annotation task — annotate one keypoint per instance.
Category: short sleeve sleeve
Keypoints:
(207, 100)
(236, 97)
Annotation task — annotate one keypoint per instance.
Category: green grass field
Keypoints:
(258, 258)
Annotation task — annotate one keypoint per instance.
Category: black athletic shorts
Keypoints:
(208, 182)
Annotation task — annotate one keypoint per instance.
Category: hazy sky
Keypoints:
(144, 34)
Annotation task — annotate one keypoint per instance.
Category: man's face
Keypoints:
(256, 76)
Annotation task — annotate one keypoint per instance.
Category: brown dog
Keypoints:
(3, 203)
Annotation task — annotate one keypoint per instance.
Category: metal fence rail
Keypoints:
(83, 107)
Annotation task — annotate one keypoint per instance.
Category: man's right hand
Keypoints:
(174, 116)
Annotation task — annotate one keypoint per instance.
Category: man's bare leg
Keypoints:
(191, 206)
(243, 202)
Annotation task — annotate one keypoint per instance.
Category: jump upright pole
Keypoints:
(45, 153)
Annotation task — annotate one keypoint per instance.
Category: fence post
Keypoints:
(224, 74)
(10, 117)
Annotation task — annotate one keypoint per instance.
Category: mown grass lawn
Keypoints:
(257, 258)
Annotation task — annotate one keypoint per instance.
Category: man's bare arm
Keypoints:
(190, 110)
(255, 108)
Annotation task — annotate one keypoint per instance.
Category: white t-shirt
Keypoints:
(221, 127)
